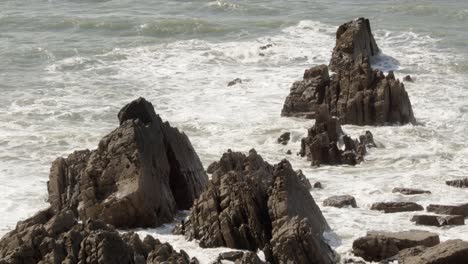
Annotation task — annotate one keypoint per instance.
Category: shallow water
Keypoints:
(67, 67)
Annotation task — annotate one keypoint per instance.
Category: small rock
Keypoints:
(376, 246)
(231, 255)
(395, 207)
(462, 183)
(266, 46)
(234, 82)
(449, 209)
(289, 152)
(408, 78)
(409, 191)
(318, 185)
(340, 201)
(284, 138)
(367, 139)
(438, 220)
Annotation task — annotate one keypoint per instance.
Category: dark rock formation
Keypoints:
(353, 39)
(340, 201)
(461, 209)
(212, 167)
(59, 238)
(356, 94)
(252, 205)
(321, 146)
(139, 176)
(438, 220)
(448, 252)
(409, 191)
(408, 78)
(303, 179)
(284, 138)
(289, 152)
(318, 185)
(395, 207)
(377, 246)
(234, 82)
(462, 183)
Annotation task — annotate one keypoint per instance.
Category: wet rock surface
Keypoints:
(396, 207)
(321, 146)
(461, 183)
(438, 220)
(461, 209)
(340, 201)
(140, 175)
(409, 191)
(253, 205)
(448, 252)
(356, 94)
(284, 138)
(59, 238)
(377, 246)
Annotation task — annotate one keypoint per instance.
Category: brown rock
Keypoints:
(438, 220)
(409, 191)
(448, 252)
(340, 201)
(353, 39)
(462, 183)
(139, 176)
(395, 207)
(461, 209)
(377, 246)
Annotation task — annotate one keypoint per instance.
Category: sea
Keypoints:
(68, 66)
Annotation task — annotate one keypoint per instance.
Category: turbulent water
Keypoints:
(68, 66)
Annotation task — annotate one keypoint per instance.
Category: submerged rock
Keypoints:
(59, 238)
(377, 246)
(252, 205)
(396, 207)
(140, 175)
(284, 138)
(409, 191)
(234, 82)
(356, 94)
(461, 183)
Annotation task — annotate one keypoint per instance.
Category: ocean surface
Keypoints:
(68, 66)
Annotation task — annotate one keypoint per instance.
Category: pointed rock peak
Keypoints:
(137, 109)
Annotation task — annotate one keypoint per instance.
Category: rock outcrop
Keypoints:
(50, 237)
(448, 252)
(322, 144)
(356, 94)
(340, 201)
(461, 183)
(396, 207)
(252, 205)
(139, 176)
(377, 246)
(353, 39)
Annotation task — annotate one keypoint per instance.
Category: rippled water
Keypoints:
(67, 67)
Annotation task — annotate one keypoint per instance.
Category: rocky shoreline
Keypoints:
(145, 171)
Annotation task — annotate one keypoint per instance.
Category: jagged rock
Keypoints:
(240, 257)
(284, 138)
(231, 255)
(409, 191)
(141, 173)
(395, 207)
(340, 201)
(353, 39)
(212, 167)
(247, 202)
(461, 209)
(321, 146)
(448, 252)
(48, 238)
(303, 179)
(367, 140)
(377, 246)
(234, 82)
(462, 183)
(438, 220)
(357, 94)
(408, 78)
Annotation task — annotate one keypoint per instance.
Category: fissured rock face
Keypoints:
(59, 238)
(139, 175)
(356, 94)
(252, 205)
